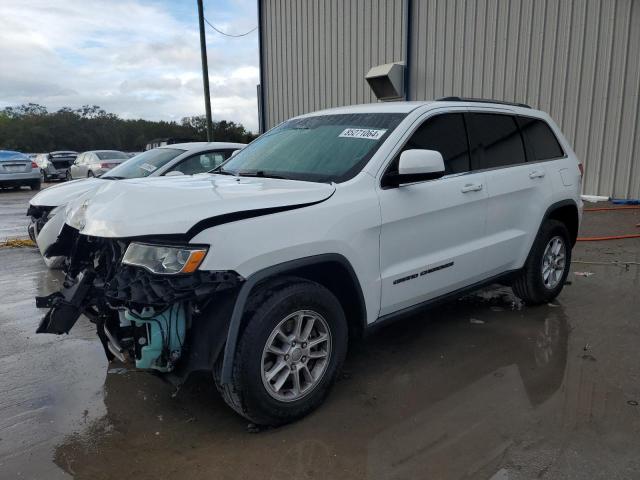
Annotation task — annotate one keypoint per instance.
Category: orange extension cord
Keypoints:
(610, 237)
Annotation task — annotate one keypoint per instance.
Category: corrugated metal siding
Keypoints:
(317, 52)
(579, 60)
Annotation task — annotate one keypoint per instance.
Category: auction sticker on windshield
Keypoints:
(368, 133)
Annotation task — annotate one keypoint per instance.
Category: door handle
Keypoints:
(471, 187)
(536, 174)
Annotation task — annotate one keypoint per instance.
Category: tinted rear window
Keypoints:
(112, 155)
(495, 141)
(542, 143)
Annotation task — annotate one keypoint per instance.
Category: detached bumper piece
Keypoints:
(65, 306)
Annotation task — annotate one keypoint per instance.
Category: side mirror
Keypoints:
(235, 152)
(173, 173)
(416, 166)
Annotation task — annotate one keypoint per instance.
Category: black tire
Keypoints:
(529, 286)
(68, 176)
(43, 176)
(35, 185)
(90, 174)
(268, 306)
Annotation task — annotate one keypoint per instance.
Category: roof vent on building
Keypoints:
(387, 81)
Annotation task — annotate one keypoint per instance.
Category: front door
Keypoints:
(432, 233)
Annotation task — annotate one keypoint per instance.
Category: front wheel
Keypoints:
(90, 174)
(289, 354)
(547, 266)
(68, 176)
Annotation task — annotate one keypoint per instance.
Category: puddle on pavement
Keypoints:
(435, 396)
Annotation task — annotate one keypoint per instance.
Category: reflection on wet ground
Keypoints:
(480, 388)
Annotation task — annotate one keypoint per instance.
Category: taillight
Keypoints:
(581, 168)
(34, 165)
(105, 165)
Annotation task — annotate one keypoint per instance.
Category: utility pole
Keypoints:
(205, 71)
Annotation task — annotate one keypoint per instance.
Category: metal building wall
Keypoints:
(315, 53)
(579, 60)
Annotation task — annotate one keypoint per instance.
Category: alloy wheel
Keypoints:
(553, 262)
(296, 355)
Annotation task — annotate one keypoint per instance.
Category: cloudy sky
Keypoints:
(135, 58)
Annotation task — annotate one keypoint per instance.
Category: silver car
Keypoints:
(95, 163)
(55, 165)
(17, 170)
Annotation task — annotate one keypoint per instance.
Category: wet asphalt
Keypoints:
(483, 387)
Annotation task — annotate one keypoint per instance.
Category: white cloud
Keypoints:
(135, 58)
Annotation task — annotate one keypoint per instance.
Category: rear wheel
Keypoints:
(43, 176)
(289, 354)
(90, 174)
(547, 266)
(35, 185)
(68, 176)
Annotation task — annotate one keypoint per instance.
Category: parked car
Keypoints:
(17, 170)
(327, 227)
(95, 163)
(177, 159)
(54, 165)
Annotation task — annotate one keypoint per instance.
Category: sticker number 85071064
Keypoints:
(368, 133)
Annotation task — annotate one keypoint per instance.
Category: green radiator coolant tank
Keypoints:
(160, 336)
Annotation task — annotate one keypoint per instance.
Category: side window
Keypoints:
(200, 163)
(542, 143)
(495, 141)
(446, 134)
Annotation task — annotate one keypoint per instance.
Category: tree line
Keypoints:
(31, 128)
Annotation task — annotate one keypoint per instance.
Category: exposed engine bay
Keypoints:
(168, 323)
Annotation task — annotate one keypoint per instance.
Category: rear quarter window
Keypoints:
(542, 143)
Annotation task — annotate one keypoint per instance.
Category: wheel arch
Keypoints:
(565, 211)
(331, 270)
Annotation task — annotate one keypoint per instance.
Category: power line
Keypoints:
(230, 34)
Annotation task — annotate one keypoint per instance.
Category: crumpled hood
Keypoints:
(63, 193)
(172, 205)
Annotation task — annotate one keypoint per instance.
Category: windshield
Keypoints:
(327, 148)
(112, 155)
(144, 164)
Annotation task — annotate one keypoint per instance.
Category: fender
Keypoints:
(245, 290)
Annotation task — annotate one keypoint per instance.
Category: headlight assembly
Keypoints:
(163, 259)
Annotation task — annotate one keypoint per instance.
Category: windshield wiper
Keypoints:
(261, 174)
(111, 177)
(221, 171)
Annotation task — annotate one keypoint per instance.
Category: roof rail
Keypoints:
(482, 100)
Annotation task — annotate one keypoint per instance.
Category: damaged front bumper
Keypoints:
(168, 323)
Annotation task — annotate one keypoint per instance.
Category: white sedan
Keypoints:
(177, 159)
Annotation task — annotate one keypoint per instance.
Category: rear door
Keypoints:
(518, 190)
(431, 239)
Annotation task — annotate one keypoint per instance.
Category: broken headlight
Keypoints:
(163, 259)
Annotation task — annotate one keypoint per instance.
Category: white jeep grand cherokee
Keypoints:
(324, 228)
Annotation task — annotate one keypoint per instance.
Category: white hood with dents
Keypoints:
(63, 193)
(172, 205)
